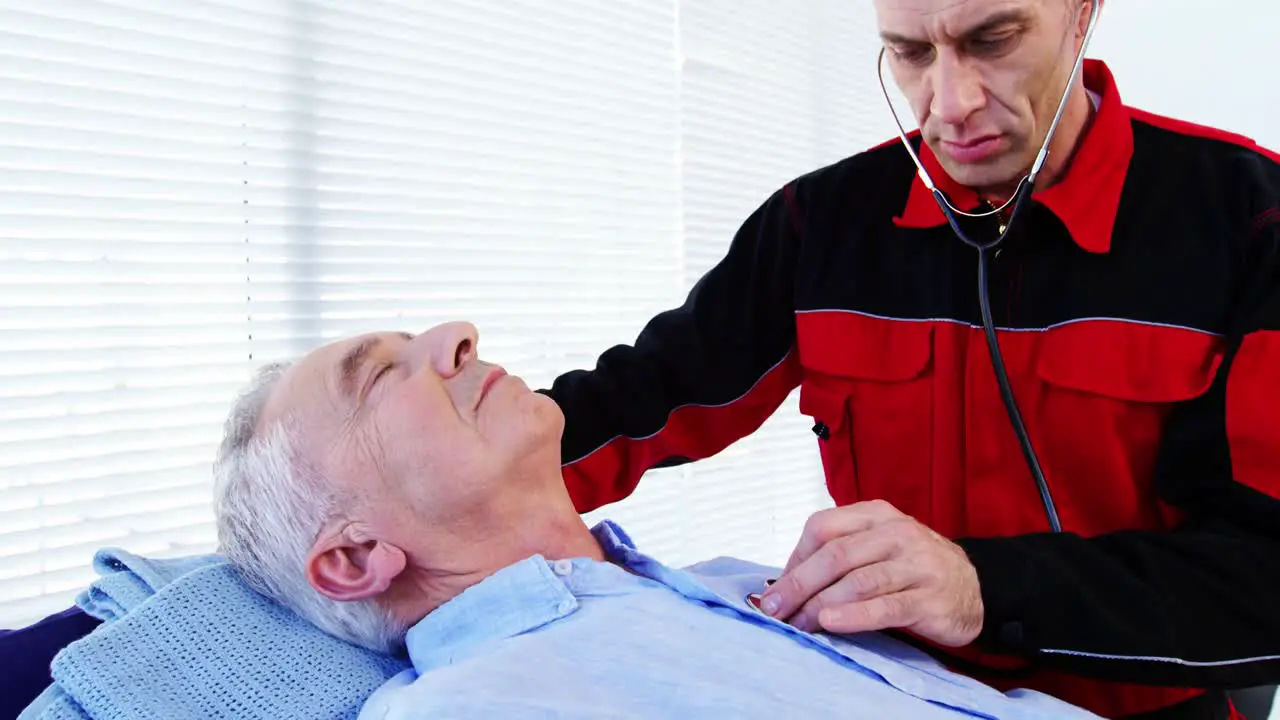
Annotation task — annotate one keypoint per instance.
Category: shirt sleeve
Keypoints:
(1195, 607)
(698, 377)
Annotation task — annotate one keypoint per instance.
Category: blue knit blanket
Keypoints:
(186, 638)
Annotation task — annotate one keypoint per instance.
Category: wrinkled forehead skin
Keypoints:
(948, 20)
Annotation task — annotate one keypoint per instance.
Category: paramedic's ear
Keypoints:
(1082, 19)
(347, 566)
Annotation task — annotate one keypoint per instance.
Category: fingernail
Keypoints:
(771, 604)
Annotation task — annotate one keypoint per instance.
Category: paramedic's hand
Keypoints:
(867, 567)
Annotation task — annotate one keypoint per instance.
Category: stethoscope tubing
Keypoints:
(993, 347)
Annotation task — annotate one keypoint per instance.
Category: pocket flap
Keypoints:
(1130, 361)
(863, 347)
(826, 405)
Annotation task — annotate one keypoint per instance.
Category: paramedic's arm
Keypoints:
(698, 377)
(1194, 607)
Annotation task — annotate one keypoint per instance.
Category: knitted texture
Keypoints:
(128, 580)
(204, 645)
(53, 704)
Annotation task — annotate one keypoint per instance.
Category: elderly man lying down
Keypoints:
(405, 495)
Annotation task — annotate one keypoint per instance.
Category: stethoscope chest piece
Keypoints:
(754, 599)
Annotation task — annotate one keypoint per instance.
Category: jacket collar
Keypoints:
(1085, 199)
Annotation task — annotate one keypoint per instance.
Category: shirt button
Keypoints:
(562, 567)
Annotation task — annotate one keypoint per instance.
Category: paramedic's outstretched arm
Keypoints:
(698, 377)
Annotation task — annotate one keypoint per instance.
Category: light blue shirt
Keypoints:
(585, 639)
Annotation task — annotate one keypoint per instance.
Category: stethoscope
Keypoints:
(1018, 201)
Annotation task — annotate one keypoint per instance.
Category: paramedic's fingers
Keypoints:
(852, 592)
(827, 525)
(826, 576)
(943, 600)
(895, 610)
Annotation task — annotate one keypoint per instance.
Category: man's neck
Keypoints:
(513, 529)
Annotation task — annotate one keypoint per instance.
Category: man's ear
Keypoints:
(346, 567)
(1082, 20)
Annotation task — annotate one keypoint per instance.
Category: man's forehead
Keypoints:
(311, 378)
(953, 17)
(327, 374)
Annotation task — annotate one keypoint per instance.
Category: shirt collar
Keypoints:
(512, 601)
(1085, 199)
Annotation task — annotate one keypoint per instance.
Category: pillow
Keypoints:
(25, 655)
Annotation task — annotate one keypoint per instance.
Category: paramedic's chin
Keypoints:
(380, 476)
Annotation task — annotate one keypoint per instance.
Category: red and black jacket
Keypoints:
(1138, 302)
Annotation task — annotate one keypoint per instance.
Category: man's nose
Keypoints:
(449, 347)
(958, 89)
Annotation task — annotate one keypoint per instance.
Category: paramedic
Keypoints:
(1138, 304)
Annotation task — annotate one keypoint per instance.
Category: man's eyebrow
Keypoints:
(354, 359)
(1014, 16)
(991, 22)
(351, 363)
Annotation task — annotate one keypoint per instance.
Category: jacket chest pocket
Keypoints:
(868, 387)
(1106, 391)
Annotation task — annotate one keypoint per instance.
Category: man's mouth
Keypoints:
(973, 150)
(490, 379)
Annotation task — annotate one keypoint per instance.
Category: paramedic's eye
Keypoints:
(381, 371)
(916, 54)
(992, 43)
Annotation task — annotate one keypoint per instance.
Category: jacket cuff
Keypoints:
(1008, 580)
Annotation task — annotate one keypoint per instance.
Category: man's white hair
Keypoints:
(270, 505)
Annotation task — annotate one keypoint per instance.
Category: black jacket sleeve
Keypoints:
(698, 377)
(1196, 607)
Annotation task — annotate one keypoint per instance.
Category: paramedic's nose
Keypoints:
(957, 87)
(449, 347)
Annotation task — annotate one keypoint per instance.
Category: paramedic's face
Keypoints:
(983, 77)
(417, 427)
